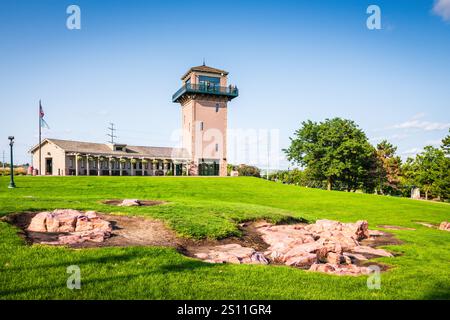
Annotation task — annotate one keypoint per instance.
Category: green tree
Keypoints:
(335, 150)
(432, 171)
(446, 144)
(249, 171)
(408, 176)
(388, 168)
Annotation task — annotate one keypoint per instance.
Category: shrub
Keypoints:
(20, 171)
(249, 171)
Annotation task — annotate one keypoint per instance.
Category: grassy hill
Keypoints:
(201, 207)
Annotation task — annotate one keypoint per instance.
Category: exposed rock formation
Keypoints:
(231, 253)
(130, 203)
(72, 226)
(445, 225)
(326, 246)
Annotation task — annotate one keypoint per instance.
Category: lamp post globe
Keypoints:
(11, 183)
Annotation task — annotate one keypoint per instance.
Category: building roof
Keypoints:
(204, 68)
(107, 150)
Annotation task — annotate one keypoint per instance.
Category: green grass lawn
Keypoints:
(211, 207)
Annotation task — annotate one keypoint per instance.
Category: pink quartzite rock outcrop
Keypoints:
(130, 203)
(325, 246)
(72, 226)
(444, 226)
(231, 253)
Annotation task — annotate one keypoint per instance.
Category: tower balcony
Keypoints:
(230, 92)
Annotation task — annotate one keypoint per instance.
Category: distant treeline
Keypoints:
(336, 155)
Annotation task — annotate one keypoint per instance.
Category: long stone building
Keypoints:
(203, 96)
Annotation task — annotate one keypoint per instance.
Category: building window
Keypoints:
(201, 125)
(71, 163)
(209, 81)
(217, 147)
(217, 107)
(82, 163)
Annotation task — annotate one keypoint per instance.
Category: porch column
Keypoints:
(87, 165)
(143, 166)
(98, 167)
(76, 164)
(154, 163)
(109, 166)
(120, 166)
(132, 166)
(165, 167)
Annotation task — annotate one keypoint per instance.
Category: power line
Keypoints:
(111, 135)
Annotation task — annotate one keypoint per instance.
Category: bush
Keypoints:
(20, 171)
(249, 171)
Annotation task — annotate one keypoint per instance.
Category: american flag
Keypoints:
(41, 111)
(41, 117)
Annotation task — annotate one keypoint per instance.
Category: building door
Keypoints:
(208, 169)
(178, 169)
(49, 166)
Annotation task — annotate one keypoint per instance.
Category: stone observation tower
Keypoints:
(204, 96)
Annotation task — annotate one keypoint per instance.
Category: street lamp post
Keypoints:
(11, 143)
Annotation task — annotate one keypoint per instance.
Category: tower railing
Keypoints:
(206, 88)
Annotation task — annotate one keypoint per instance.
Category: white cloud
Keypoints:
(416, 123)
(411, 152)
(442, 9)
(392, 137)
(434, 143)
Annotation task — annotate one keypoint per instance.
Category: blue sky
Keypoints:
(292, 61)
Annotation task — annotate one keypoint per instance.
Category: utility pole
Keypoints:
(111, 135)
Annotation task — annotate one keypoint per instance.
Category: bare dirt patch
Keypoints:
(141, 203)
(284, 248)
(395, 227)
(444, 225)
(126, 231)
(428, 224)
(326, 246)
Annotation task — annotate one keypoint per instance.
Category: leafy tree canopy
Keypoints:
(335, 150)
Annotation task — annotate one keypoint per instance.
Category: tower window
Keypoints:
(217, 107)
(217, 147)
(212, 81)
(201, 125)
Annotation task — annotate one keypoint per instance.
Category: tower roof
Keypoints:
(204, 68)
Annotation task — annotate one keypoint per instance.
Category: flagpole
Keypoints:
(39, 113)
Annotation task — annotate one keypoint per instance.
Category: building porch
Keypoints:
(79, 164)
